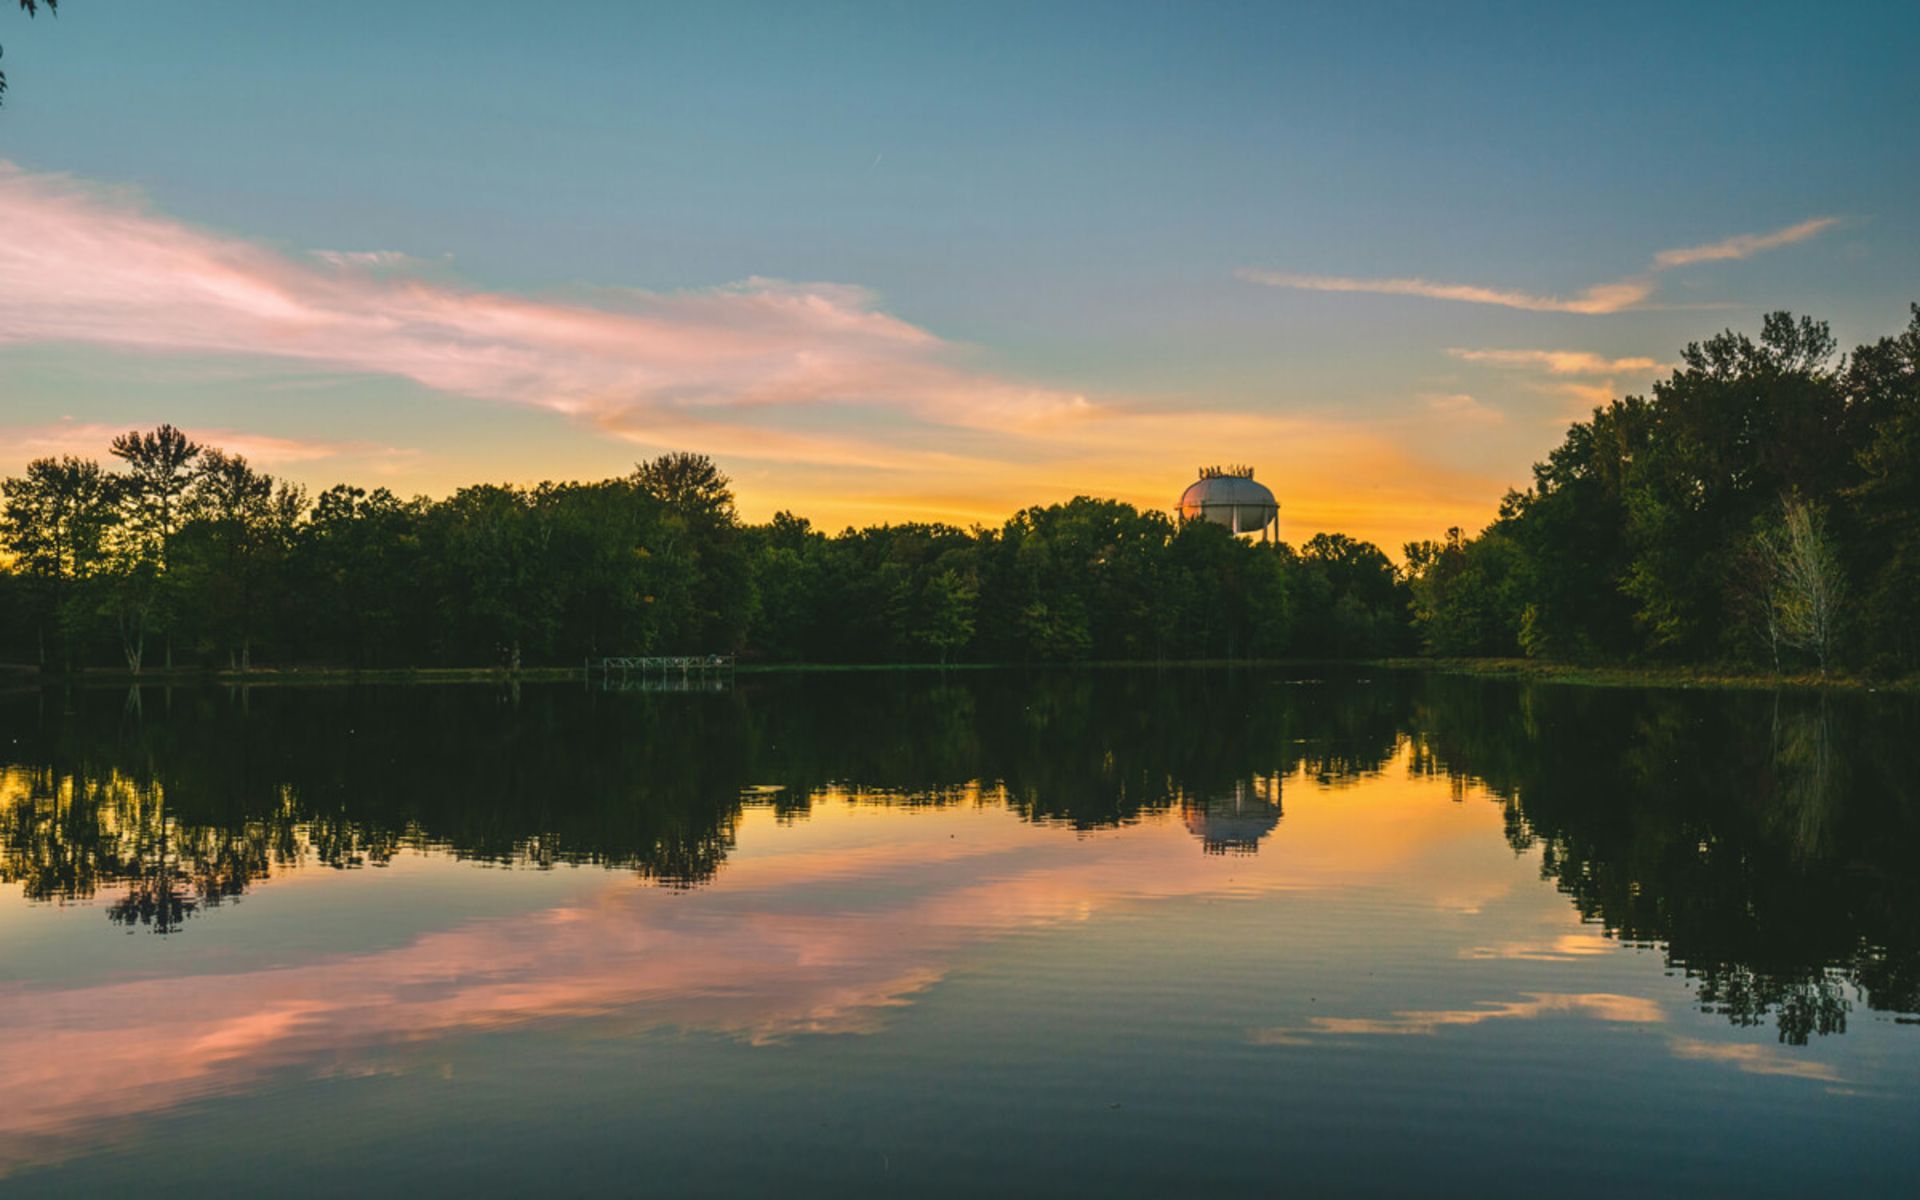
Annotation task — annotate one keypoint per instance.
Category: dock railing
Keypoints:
(685, 665)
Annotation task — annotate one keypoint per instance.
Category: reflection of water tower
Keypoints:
(1234, 822)
(1229, 496)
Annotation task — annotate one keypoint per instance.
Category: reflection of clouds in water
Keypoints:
(818, 928)
(1752, 1058)
(1599, 1006)
(1565, 948)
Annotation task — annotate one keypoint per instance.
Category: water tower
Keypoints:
(1229, 496)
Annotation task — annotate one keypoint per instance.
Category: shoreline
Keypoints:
(1647, 675)
(1590, 675)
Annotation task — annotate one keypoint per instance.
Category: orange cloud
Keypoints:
(1555, 362)
(1744, 245)
(1459, 406)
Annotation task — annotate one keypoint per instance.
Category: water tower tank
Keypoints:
(1229, 496)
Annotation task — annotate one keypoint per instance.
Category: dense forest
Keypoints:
(1762, 506)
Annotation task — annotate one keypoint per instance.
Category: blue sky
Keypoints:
(1071, 202)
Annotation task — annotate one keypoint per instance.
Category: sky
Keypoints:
(892, 262)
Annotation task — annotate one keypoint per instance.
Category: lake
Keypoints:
(1116, 933)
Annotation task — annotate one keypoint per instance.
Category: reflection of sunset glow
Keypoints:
(820, 925)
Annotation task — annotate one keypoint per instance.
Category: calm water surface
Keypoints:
(1096, 933)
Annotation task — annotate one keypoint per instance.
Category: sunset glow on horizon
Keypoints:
(934, 281)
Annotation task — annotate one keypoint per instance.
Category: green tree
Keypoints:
(497, 592)
(363, 577)
(1805, 585)
(232, 551)
(1354, 602)
(700, 537)
(947, 621)
(1467, 594)
(55, 524)
(1739, 424)
(1883, 381)
(607, 578)
(160, 469)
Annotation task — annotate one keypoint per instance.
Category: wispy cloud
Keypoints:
(83, 265)
(1744, 245)
(377, 259)
(1554, 362)
(1459, 406)
(1587, 378)
(1586, 395)
(1601, 298)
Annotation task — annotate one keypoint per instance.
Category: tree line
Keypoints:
(190, 553)
(1761, 506)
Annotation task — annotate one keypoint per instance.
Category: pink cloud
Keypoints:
(802, 379)
(85, 265)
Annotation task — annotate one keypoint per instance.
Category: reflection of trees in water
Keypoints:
(185, 797)
(1767, 842)
(1810, 778)
(72, 836)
